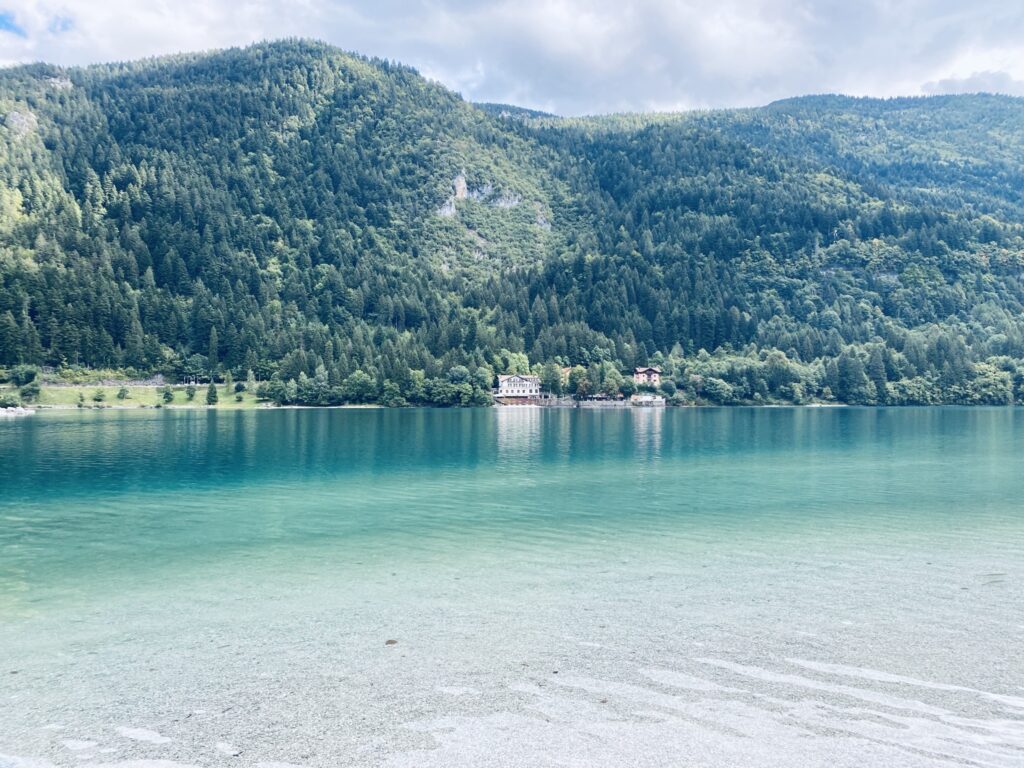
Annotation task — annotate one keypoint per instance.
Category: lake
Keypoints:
(514, 587)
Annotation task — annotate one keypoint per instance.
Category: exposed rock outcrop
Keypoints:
(21, 122)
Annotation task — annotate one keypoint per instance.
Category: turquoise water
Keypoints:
(685, 587)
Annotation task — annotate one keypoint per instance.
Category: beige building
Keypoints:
(518, 385)
(647, 377)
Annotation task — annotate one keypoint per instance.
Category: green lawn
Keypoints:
(138, 397)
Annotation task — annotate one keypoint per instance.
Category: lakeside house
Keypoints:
(648, 376)
(518, 385)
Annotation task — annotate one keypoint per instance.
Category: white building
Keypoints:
(518, 385)
(642, 399)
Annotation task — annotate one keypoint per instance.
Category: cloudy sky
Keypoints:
(577, 56)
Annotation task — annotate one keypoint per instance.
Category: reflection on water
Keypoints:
(129, 452)
(740, 587)
(518, 433)
(647, 431)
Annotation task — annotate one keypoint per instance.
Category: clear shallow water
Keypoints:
(691, 587)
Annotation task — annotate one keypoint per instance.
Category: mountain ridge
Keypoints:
(289, 207)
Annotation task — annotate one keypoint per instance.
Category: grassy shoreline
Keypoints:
(105, 397)
(72, 397)
(66, 397)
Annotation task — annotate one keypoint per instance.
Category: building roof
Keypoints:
(646, 369)
(503, 377)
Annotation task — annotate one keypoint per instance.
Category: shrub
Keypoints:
(392, 395)
(30, 391)
(359, 387)
(168, 394)
(718, 391)
(122, 393)
(23, 374)
(190, 391)
(240, 386)
(9, 400)
(211, 394)
(99, 396)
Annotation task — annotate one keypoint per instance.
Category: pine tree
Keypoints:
(212, 355)
(876, 373)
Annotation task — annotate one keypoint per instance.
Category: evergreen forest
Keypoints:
(340, 229)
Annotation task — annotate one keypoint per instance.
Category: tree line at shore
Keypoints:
(349, 232)
(758, 378)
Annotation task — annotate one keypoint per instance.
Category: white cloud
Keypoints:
(575, 56)
(978, 82)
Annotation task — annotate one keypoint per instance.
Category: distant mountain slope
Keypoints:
(511, 111)
(289, 206)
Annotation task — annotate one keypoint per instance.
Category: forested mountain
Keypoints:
(348, 230)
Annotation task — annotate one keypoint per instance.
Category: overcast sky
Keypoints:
(577, 56)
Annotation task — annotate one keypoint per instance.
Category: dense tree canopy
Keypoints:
(346, 230)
